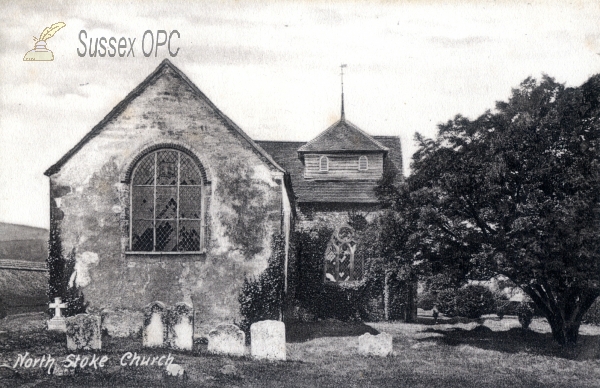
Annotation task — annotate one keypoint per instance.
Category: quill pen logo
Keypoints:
(40, 52)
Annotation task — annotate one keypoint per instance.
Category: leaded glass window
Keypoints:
(340, 262)
(166, 203)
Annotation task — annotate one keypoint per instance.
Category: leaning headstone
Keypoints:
(227, 339)
(57, 323)
(181, 327)
(267, 340)
(375, 345)
(83, 332)
(154, 329)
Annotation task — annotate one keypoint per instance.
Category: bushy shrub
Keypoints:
(446, 302)
(592, 316)
(525, 314)
(262, 298)
(310, 247)
(426, 301)
(473, 301)
(325, 300)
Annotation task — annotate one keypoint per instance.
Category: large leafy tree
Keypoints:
(517, 192)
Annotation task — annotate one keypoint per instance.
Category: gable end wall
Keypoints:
(91, 205)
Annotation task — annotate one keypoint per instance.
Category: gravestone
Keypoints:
(155, 328)
(375, 345)
(57, 323)
(267, 340)
(83, 332)
(181, 327)
(227, 339)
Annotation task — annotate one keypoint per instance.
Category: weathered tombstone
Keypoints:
(375, 345)
(154, 329)
(227, 339)
(267, 340)
(181, 327)
(57, 323)
(83, 332)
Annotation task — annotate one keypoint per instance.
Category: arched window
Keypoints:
(340, 262)
(363, 163)
(166, 203)
(324, 163)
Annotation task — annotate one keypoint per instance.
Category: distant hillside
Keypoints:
(10, 232)
(20, 242)
(23, 291)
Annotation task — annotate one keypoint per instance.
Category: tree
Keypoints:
(58, 274)
(517, 192)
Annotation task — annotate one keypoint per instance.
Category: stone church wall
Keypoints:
(92, 206)
(316, 215)
(400, 302)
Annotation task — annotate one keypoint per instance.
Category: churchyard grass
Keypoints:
(324, 354)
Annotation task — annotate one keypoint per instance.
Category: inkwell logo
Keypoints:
(40, 52)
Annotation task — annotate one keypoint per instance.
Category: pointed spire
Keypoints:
(342, 74)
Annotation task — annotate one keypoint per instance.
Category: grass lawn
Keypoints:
(324, 354)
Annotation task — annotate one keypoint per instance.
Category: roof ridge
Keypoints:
(331, 127)
(135, 93)
(350, 125)
(368, 136)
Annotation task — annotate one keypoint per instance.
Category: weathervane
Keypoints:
(342, 74)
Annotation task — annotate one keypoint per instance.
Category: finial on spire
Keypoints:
(342, 74)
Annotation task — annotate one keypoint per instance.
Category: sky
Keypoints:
(273, 67)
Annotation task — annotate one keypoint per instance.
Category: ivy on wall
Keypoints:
(261, 298)
(60, 269)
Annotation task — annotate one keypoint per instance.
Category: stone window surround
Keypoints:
(205, 197)
(338, 241)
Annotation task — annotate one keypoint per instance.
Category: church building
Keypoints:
(167, 199)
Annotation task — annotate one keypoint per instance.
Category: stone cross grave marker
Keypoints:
(181, 327)
(267, 340)
(57, 323)
(227, 339)
(154, 325)
(83, 332)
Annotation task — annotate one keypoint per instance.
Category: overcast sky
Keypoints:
(273, 68)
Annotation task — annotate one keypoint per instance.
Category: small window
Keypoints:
(324, 163)
(363, 163)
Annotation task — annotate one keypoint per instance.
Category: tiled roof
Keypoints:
(394, 155)
(285, 153)
(342, 136)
